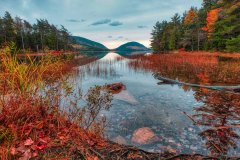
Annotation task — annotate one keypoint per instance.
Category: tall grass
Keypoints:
(22, 77)
(33, 122)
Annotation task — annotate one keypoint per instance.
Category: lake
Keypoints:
(167, 109)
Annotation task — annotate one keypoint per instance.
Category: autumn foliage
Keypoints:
(191, 17)
(212, 17)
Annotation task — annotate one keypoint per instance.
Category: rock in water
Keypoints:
(115, 88)
(119, 140)
(126, 96)
(143, 136)
(119, 91)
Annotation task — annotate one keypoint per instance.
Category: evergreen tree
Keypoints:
(191, 24)
(175, 26)
(227, 28)
(216, 26)
(9, 31)
(2, 36)
(36, 37)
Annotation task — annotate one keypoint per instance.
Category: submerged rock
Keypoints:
(119, 140)
(126, 96)
(119, 92)
(143, 136)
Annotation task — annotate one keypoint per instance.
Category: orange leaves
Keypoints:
(211, 19)
(191, 17)
(29, 148)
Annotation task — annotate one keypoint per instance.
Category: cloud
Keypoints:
(116, 23)
(110, 36)
(142, 26)
(75, 20)
(100, 22)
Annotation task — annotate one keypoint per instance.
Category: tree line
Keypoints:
(215, 26)
(36, 37)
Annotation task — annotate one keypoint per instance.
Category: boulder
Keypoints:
(115, 88)
(143, 136)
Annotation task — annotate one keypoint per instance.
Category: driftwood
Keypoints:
(165, 80)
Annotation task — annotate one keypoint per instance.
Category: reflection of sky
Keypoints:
(111, 22)
(159, 106)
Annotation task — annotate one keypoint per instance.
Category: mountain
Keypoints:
(131, 47)
(85, 44)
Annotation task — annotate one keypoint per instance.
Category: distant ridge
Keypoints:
(131, 47)
(84, 44)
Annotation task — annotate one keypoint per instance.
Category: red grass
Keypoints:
(34, 130)
(194, 67)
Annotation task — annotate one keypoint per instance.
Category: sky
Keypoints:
(110, 22)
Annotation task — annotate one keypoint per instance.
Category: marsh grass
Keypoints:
(26, 75)
(197, 67)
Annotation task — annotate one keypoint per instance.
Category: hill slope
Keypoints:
(86, 44)
(132, 46)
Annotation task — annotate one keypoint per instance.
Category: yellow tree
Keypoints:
(191, 17)
(192, 28)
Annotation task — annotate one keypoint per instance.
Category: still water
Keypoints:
(166, 109)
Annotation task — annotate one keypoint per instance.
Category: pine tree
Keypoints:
(8, 28)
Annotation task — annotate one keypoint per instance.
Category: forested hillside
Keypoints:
(39, 36)
(215, 26)
(85, 44)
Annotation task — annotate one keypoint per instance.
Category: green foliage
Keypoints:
(188, 31)
(13, 47)
(34, 37)
(233, 44)
(160, 36)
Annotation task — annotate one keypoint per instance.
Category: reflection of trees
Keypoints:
(103, 69)
(218, 118)
(221, 114)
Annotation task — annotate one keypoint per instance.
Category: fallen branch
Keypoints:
(219, 88)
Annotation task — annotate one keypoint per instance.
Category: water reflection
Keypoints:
(160, 107)
(104, 68)
(220, 115)
(218, 119)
